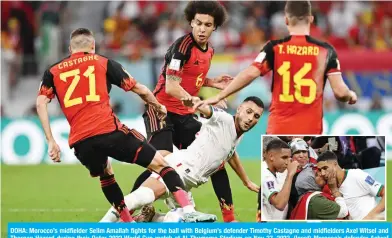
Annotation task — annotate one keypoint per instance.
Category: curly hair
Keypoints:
(212, 8)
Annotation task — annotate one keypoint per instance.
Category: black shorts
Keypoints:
(178, 130)
(124, 145)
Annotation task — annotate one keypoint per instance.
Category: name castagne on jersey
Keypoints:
(71, 62)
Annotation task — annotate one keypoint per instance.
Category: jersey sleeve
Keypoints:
(269, 187)
(264, 60)
(321, 208)
(219, 115)
(333, 64)
(46, 87)
(179, 54)
(368, 183)
(117, 75)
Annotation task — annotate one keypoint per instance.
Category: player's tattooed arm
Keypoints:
(173, 87)
(238, 168)
(219, 82)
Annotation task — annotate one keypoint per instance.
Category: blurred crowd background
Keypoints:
(35, 35)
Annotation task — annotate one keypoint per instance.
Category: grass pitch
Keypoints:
(67, 193)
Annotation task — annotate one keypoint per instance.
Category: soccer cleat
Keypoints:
(146, 214)
(199, 217)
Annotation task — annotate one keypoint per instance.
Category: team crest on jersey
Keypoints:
(260, 57)
(369, 180)
(270, 185)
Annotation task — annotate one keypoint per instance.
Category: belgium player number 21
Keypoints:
(91, 97)
(299, 82)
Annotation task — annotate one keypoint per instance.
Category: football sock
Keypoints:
(140, 180)
(221, 184)
(176, 187)
(115, 196)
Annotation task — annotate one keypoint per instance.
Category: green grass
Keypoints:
(67, 193)
(48, 193)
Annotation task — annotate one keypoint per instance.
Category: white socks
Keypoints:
(138, 198)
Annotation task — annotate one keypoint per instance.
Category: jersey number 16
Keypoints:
(299, 82)
(91, 97)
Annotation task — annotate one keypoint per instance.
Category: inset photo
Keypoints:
(323, 178)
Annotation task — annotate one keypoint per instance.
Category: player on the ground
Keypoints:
(185, 70)
(276, 192)
(300, 65)
(214, 145)
(82, 83)
(357, 187)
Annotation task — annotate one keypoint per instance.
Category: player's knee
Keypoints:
(157, 163)
(140, 197)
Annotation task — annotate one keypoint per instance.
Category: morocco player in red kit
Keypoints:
(186, 66)
(82, 83)
(301, 65)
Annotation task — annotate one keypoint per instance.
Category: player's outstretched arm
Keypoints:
(240, 81)
(236, 165)
(42, 110)
(340, 89)
(174, 89)
(204, 109)
(149, 98)
(374, 214)
(219, 82)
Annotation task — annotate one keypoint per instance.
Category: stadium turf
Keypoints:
(48, 193)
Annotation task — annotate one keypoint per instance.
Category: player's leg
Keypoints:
(185, 129)
(258, 215)
(221, 184)
(95, 160)
(151, 190)
(135, 149)
(159, 135)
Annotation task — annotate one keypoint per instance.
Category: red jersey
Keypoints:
(187, 60)
(300, 66)
(82, 83)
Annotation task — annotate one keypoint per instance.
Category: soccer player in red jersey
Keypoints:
(301, 65)
(82, 83)
(186, 66)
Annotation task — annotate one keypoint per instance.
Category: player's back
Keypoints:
(82, 88)
(300, 65)
(215, 143)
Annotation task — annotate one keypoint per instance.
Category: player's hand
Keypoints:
(324, 148)
(292, 167)
(54, 151)
(161, 112)
(252, 186)
(222, 81)
(222, 104)
(353, 98)
(210, 101)
(190, 101)
(332, 181)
